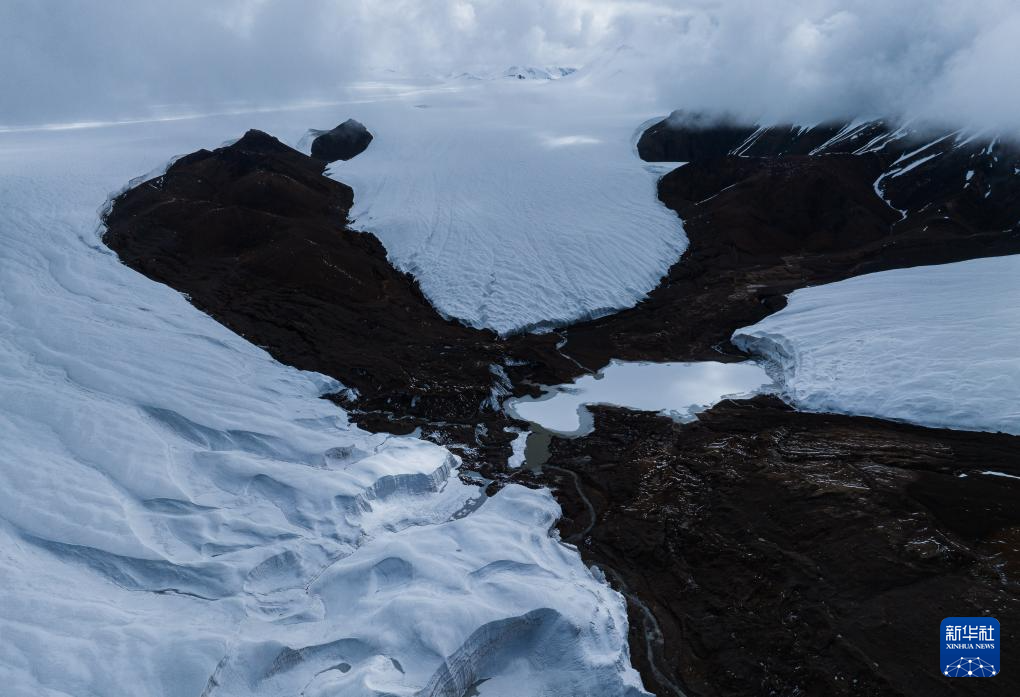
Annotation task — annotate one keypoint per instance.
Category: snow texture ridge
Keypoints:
(934, 345)
(180, 515)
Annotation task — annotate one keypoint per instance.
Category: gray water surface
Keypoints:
(679, 390)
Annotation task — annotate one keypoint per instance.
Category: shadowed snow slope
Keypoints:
(933, 345)
(181, 515)
(515, 203)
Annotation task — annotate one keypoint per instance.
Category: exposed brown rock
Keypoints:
(347, 140)
(258, 238)
(785, 553)
(691, 137)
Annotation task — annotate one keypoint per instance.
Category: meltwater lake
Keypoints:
(679, 390)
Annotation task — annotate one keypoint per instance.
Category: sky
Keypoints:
(772, 60)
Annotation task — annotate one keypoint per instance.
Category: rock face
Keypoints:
(786, 553)
(347, 140)
(691, 137)
(527, 72)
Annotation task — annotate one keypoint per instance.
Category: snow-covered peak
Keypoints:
(525, 72)
(514, 72)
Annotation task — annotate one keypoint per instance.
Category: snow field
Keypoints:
(933, 345)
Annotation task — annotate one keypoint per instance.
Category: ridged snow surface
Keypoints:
(515, 203)
(181, 515)
(934, 345)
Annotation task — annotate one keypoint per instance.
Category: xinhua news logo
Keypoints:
(970, 647)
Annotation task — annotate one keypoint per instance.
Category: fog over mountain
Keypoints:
(804, 60)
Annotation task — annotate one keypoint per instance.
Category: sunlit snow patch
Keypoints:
(992, 473)
(679, 390)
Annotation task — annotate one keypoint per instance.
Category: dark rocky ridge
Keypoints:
(258, 238)
(785, 553)
(347, 140)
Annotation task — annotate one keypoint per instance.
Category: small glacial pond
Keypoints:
(679, 390)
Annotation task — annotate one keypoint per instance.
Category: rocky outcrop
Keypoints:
(347, 140)
(779, 552)
(691, 137)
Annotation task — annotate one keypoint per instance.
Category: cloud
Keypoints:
(819, 59)
(805, 60)
(81, 59)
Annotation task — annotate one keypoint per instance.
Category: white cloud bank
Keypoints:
(67, 60)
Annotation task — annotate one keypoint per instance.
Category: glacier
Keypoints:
(181, 515)
(936, 346)
(517, 204)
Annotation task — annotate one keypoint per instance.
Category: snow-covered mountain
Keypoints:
(527, 72)
(897, 344)
(515, 72)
